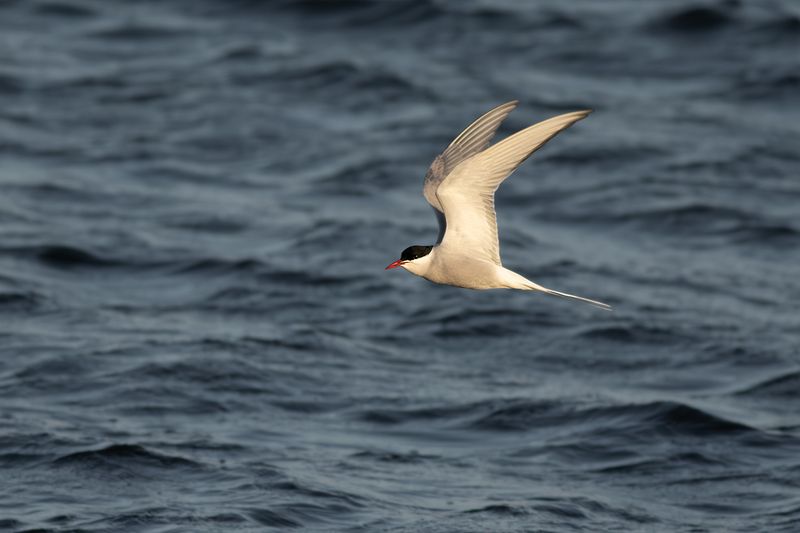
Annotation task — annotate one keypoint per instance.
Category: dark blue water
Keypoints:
(197, 200)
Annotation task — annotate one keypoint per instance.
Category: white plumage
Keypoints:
(460, 186)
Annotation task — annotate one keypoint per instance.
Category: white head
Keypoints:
(415, 259)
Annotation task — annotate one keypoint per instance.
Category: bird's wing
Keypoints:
(467, 192)
(471, 141)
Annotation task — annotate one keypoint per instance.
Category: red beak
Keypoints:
(395, 264)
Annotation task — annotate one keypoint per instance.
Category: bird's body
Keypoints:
(471, 274)
(460, 186)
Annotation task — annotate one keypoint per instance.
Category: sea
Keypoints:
(197, 334)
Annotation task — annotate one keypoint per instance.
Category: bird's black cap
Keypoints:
(415, 252)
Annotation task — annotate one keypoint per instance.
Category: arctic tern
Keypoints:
(460, 186)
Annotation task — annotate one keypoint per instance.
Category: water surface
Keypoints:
(197, 333)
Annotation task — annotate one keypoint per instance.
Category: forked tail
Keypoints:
(534, 287)
(512, 280)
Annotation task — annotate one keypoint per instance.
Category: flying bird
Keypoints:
(460, 186)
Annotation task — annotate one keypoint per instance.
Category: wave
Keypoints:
(702, 219)
(270, 518)
(74, 258)
(211, 265)
(412, 457)
(311, 278)
(371, 13)
(316, 6)
(124, 456)
(605, 155)
(670, 462)
(784, 386)
(11, 84)
(61, 256)
(692, 215)
(204, 223)
(338, 77)
(785, 24)
(504, 509)
(300, 514)
(774, 26)
(176, 171)
(760, 85)
(20, 302)
(161, 400)
(296, 488)
(630, 333)
(54, 374)
(765, 233)
(696, 18)
(387, 416)
(154, 517)
(321, 74)
(65, 9)
(565, 509)
(655, 418)
(240, 52)
(140, 32)
(312, 504)
(465, 320)
(377, 13)
(215, 374)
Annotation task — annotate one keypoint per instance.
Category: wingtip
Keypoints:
(510, 105)
(575, 116)
(579, 115)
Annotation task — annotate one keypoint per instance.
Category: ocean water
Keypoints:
(197, 200)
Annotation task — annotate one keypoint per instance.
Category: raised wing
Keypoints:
(471, 141)
(466, 195)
